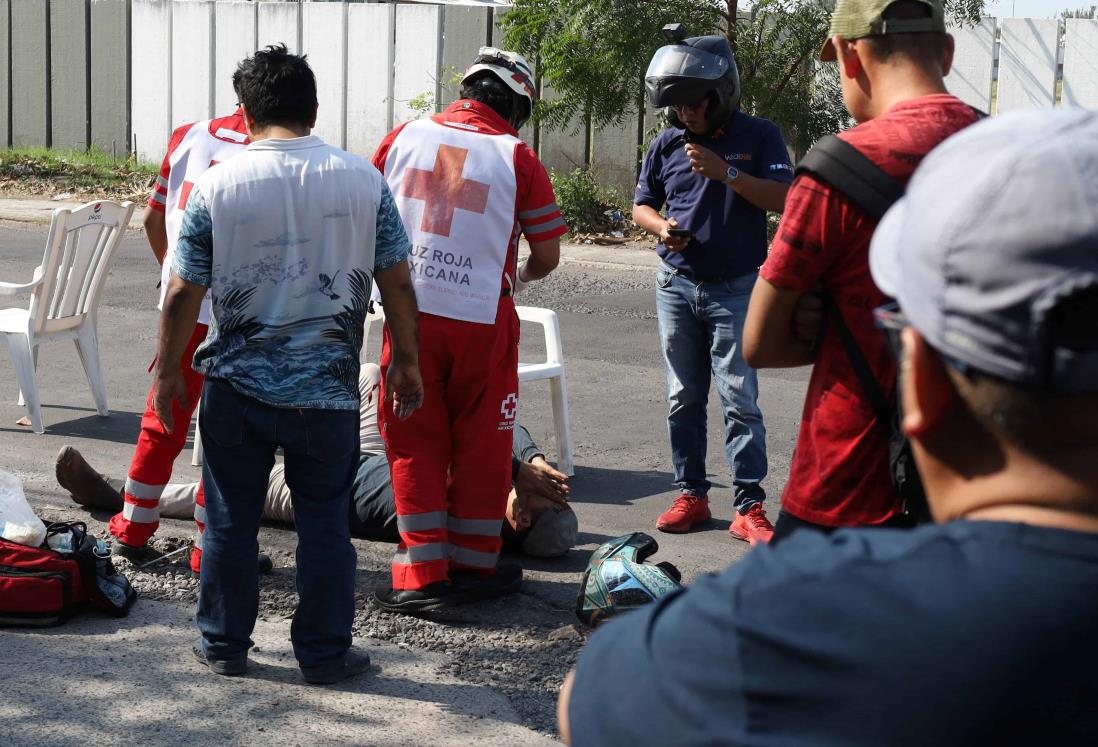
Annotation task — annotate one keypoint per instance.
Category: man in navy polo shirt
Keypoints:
(717, 174)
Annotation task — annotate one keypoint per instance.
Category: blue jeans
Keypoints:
(320, 447)
(701, 326)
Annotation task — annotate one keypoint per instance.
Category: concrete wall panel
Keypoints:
(280, 23)
(416, 58)
(561, 150)
(1027, 64)
(614, 155)
(369, 75)
(151, 78)
(464, 31)
(234, 39)
(1081, 63)
(110, 99)
(69, 74)
(29, 73)
(324, 39)
(970, 78)
(192, 61)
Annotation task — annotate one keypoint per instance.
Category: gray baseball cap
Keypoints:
(996, 236)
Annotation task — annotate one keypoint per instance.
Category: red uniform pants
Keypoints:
(451, 460)
(152, 463)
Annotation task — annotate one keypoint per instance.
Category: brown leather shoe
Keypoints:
(88, 487)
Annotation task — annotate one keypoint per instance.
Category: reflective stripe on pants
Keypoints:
(155, 455)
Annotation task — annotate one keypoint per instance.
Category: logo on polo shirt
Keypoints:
(781, 167)
(738, 157)
(508, 409)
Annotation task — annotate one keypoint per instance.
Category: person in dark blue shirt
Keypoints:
(982, 628)
(717, 171)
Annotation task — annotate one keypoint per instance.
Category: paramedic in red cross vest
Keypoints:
(192, 150)
(467, 187)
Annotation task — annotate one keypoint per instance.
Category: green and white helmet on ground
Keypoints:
(618, 579)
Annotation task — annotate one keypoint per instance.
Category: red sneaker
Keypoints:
(685, 512)
(752, 526)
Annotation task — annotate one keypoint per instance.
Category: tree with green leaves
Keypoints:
(592, 54)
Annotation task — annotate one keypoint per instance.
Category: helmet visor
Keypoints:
(680, 60)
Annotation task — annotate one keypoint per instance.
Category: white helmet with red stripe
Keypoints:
(509, 67)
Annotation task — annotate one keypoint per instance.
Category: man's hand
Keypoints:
(404, 388)
(673, 243)
(537, 479)
(707, 163)
(169, 386)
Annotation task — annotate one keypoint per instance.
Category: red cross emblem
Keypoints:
(509, 407)
(444, 191)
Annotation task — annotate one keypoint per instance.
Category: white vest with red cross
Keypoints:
(456, 193)
(204, 145)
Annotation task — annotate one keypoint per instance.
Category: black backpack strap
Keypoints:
(870, 386)
(849, 171)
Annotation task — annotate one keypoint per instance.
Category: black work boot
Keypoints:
(88, 487)
(506, 580)
(434, 596)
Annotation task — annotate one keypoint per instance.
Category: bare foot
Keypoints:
(24, 421)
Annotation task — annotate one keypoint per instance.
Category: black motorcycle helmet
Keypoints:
(690, 69)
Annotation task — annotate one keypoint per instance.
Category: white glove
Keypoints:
(520, 281)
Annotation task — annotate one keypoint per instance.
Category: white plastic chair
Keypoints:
(65, 292)
(552, 368)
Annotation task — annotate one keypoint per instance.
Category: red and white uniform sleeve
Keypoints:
(158, 199)
(538, 214)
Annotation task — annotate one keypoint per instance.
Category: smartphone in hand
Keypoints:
(679, 233)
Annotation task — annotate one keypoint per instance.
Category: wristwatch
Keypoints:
(732, 174)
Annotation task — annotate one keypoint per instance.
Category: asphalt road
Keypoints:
(615, 377)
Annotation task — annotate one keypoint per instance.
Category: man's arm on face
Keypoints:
(769, 339)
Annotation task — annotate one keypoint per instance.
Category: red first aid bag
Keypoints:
(41, 587)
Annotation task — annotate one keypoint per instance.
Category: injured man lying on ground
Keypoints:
(539, 522)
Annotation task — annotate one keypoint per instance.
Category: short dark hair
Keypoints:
(276, 87)
(1045, 424)
(493, 92)
(921, 48)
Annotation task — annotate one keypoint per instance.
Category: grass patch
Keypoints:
(83, 174)
(584, 202)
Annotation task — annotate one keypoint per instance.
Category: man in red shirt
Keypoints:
(193, 149)
(467, 187)
(892, 59)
